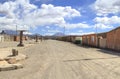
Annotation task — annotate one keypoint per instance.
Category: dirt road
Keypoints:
(62, 60)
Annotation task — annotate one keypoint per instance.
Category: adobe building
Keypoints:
(17, 38)
(6, 36)
(70, 38)
(113, 39)
(95, 40)
(1, 38)
(89, 40)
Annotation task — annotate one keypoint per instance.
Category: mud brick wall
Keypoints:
(113, 39)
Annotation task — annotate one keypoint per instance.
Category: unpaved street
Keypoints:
(52, 59)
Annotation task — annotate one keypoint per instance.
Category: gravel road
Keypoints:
(52, 59)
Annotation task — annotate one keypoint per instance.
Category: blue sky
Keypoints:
(48, 17)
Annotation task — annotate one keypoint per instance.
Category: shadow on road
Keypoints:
(109, 52)
(86, 59)
(84, 46)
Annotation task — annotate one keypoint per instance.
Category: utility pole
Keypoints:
(21, 38)
(64, 30)
(36, 37)
(16, 30)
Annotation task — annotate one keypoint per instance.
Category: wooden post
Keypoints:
(36, 38)
(21, 38)
(14, 52)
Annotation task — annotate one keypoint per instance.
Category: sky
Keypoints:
(72, 17)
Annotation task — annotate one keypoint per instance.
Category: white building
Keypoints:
(1, 38)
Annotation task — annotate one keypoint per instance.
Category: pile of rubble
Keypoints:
(11, 61)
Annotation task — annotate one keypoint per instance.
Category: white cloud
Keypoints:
(77, 25)
(23, 13)
(14, 27)
(8, 8)
(102, 26)
(105, 7)
(88, 33)
(28, 33)
(108, 20)
(81, 33)
(13, 13)
(47, 27)
(4, 20)
(43, 1)
(49, 14)
(53, 31)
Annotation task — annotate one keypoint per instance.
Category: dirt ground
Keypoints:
(52, 59)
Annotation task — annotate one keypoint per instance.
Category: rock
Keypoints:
(1, 59)
(4, 66)
(7, 67)
(12, 61)
(21, 57)
(3, 62)
(18, 66)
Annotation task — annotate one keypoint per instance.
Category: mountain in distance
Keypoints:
(9, 32)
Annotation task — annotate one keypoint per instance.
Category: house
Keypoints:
(10, 35)
(110, 40)
(113, 39)
(71, 38)
(95, 40)
(6, 36)
(17, 38)
(1, 38)
(90, 40)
